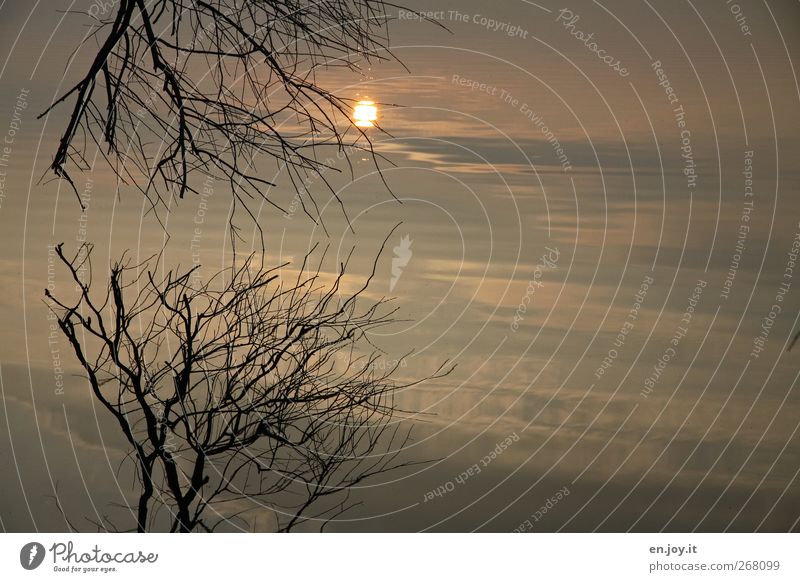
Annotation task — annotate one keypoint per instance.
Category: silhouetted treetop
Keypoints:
(213, 87)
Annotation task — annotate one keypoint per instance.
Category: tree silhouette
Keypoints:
(180, 90)
(252, 387)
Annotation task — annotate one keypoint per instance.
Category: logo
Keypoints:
(31, 555)
(402, 255)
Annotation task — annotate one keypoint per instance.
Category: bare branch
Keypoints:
(179, 91)
(248, 388)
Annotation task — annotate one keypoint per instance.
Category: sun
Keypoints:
(365, 113)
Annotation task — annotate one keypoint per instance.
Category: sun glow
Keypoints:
(365, 113)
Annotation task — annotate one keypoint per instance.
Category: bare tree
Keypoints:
(178, 88)
(252, 387)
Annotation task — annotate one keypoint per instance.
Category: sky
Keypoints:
(600, 200)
